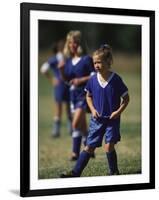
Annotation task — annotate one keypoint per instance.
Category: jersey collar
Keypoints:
(75, 60)
(103, 85)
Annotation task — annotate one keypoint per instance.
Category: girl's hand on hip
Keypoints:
(95, 114)
(75, 81)
(114, 115)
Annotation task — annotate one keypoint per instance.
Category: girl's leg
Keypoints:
(83, 128)
(109, 147)
(76, 133)
(69, 117)
(81, 163)
(57, 119)
(112, 158)
(83, 160)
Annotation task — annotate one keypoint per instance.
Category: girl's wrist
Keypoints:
(92, 110)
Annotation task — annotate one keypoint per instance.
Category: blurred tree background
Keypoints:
(122, 37)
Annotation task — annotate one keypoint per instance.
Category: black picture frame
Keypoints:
(25, 189)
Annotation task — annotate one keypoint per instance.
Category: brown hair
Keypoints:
(58, 46)
(105, 54)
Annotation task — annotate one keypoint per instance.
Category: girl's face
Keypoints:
(73, 45)
(99, 64)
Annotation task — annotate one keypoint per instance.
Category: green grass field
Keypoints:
(54, 153)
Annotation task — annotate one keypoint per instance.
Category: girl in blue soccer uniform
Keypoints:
(76, 71)
(104, 92)
(60, 89)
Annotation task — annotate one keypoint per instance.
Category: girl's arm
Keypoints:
(122, 107)
(49, 77)
(45, 71)
(80, 81)
(62, 71)
(91, 107)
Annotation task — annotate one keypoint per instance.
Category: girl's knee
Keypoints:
(89, 149)
(75, 125)
(109, 147)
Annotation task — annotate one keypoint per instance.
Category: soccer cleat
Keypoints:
(74, 158)
(56, 136)
(114, 173)
(69, 174)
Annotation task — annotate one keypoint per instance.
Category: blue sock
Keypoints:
(76, 142)
(81, 163)
(112, 162)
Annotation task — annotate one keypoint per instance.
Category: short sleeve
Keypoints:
(89, 65)
(88, 87)
(122, 88)
(44, 68)
(52, 62)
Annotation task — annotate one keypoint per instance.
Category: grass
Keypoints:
(54, 153)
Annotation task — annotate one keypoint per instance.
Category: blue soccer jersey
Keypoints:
(84, 67)
(106, 97)
(53, 62)
(61, 91)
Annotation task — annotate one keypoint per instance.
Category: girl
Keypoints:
(76, 71)
(104, 93)
(61, 90)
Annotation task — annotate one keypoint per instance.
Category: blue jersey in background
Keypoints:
(84, 67)
(61, 91)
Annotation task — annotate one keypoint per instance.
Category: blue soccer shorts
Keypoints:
(103, 127)
(77, 100)
(61, 93)
(81, 103)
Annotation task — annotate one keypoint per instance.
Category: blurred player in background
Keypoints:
(76, 70)
(60, 88)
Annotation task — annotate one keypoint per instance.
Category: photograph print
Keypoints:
(88, 88)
